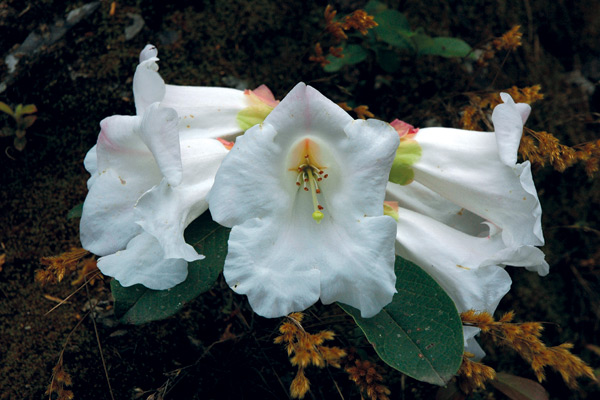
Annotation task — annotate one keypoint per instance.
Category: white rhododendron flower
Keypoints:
(150, 175)
(303, 192)
(470, 211)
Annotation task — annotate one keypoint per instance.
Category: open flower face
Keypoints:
(304, 192)
(470, 211)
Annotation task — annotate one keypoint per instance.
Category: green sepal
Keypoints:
(253, 115)
(408, 153)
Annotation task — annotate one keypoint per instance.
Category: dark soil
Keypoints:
(86, 75)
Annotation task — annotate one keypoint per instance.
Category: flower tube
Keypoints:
(303, 194)
(470, 211)
(209, 112)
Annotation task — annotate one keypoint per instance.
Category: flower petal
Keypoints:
(261, 265)
(90, 162)
(165, 210)
(464, 167)
(305, 110)
(461, 265)
(148, 86)
(125, 170)
(509, 119)
(248, 183)
(364, 156)
(159, 132)
(143, 261)
(286, 267)
(421, 199)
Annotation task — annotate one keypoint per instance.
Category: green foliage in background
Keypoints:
(392, 37)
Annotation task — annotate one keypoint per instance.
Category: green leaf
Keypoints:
(517, 388)
(6, 109)
(393, 28)
(420, 332)
(75, 212)
(137, 304)
(443, 46)
(353, 54)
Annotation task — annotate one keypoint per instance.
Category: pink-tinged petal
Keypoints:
(125, 169)
(159, 132)
(508, 119)
(143, 261)
(403, 128)
(264, 94)
(148, 86)
(119, 144)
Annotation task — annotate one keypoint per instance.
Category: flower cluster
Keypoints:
(319, 203)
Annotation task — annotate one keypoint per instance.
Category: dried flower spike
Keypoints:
(473, 375)
(305, 349)
(59, 266)
(524, 338)
(368, 379)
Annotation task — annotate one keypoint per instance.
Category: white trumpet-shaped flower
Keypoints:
(204, 111)
(150, 175)
(470, 211)
(303, 192)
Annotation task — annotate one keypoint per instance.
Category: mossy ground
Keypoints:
(86, 76)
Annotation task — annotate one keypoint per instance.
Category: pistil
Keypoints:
(317, 214)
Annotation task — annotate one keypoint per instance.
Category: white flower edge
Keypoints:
(278, 255)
